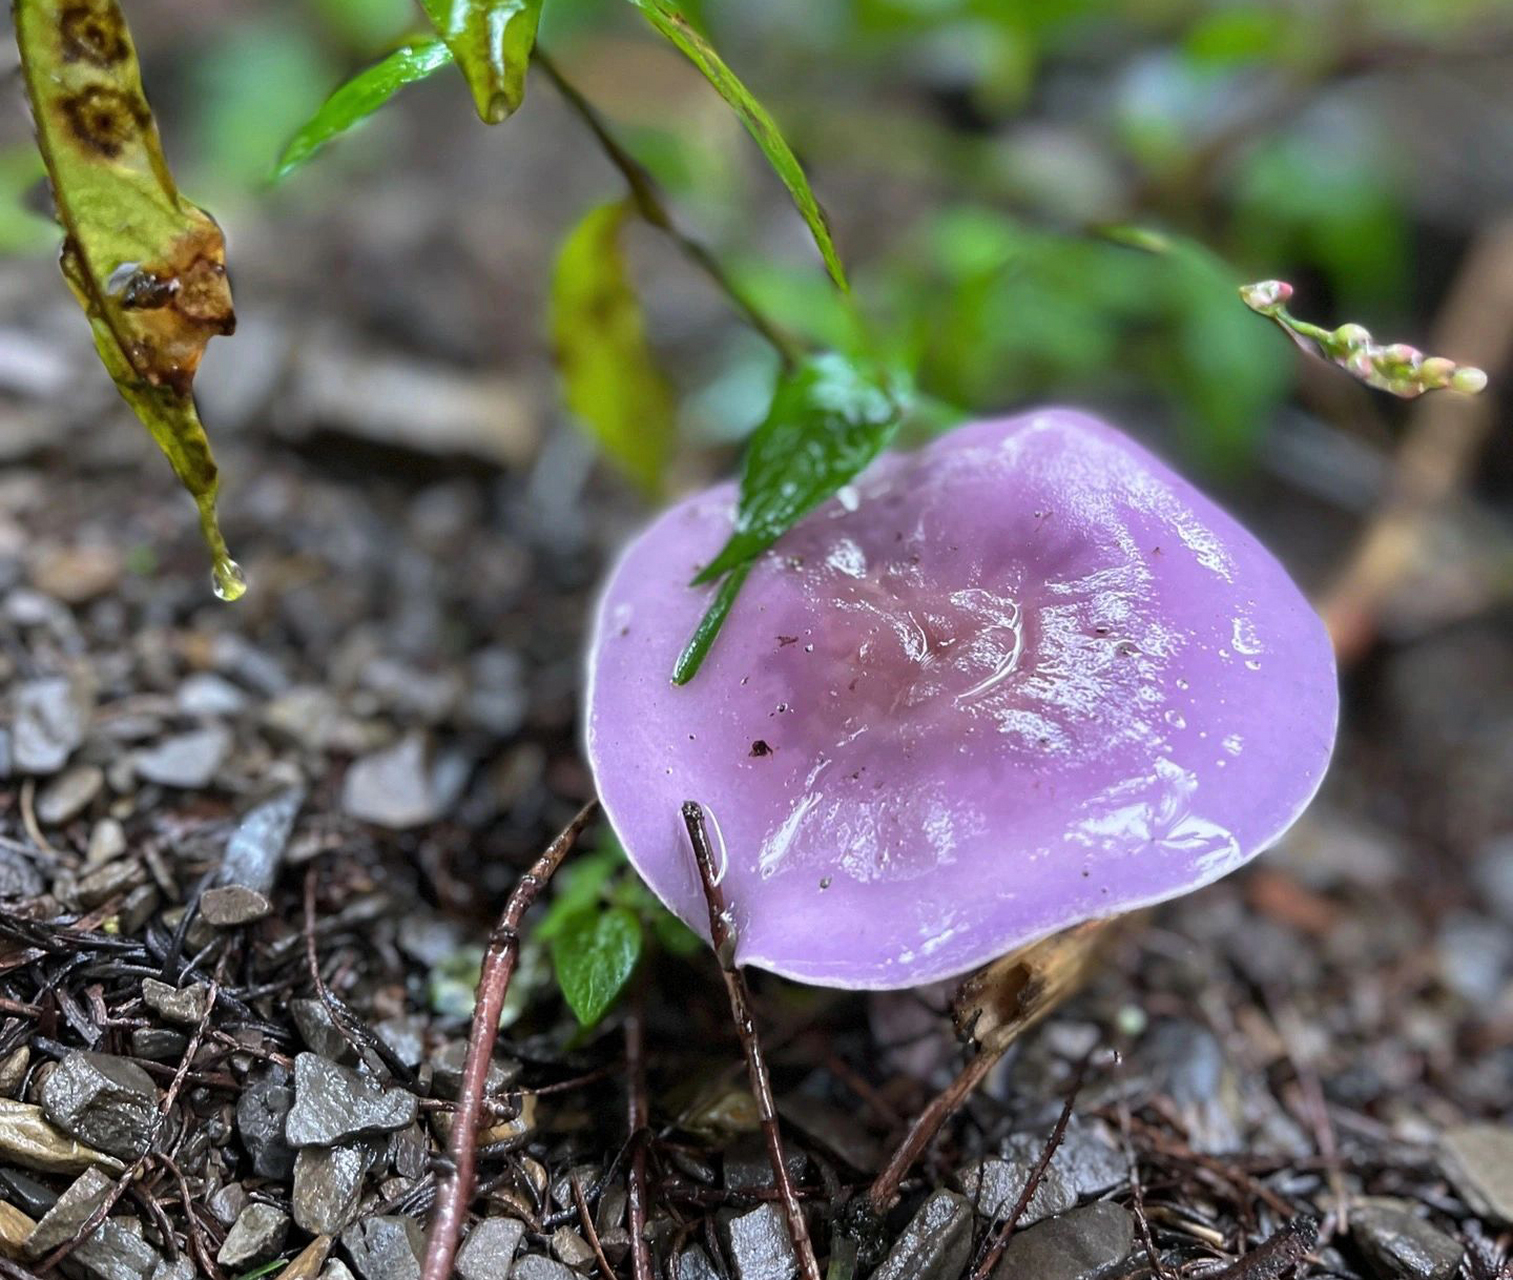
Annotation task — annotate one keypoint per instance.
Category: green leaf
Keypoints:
(360, 97)
(148, 267)
(828, 420)
(579, 885)
(595, 953)
(668, 20)
(492, 42)
(609, 378)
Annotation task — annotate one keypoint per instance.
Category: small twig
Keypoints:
(638, 1120)
(455, 1191)
(1277, 1255)
(652, 206)
(1000, 1238)
(722, 935)
(589, 1230)
(92, 1223)
(1137, 1189)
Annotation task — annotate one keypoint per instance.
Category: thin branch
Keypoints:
(652, 206)
(455, 1191)
(1006, 1228)
(589, 1230)
(722, 935)
(638, 1117)
(1278, 1254)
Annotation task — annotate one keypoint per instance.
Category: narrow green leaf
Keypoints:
(699, 644)
(594, 953)
(666, 18)
(609, 378)
(828, 420)
(360, 97)
(148, 267)
(492, 42)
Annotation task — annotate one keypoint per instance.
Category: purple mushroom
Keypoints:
(1022, 678)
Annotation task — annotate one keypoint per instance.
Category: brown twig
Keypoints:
(1281, 1251)
(995, 1005)
(1137, 1189)
(589, 1230)
(722, 935)
(92, 1223)
(1475, 326)
(455, 1191)
(1000, 1238)
(638, 1119)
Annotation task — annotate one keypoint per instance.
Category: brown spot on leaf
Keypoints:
(93, 32)
(104, 119)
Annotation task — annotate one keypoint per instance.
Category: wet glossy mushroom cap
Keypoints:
(1022, 678)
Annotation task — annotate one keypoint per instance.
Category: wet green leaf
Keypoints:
(492, 42)
(829, 419)
(668, 20)
(148, 267)
(609, 378)
(360, 97)
(582, 884)
(595, 953)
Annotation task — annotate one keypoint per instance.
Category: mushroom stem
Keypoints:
(456, 1190)
(722, 934)
(994, 1007)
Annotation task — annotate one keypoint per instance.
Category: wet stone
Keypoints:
(19, 877)
(935, 1245)
(99, 886)
(260, 1115)
(15, 1229)
(447, 1063)
(760, 1247)
(186, 1005)
(13, 1069)
(327, 1184)
(186, 760)
(115, 1252)
(404, 1036)
(29, 1140)
(67, 795)
(1083, 1166)
(1085, 1244)
(62, 1222)
(257, 1235)
(227, 1203)
(179, 1269)
(386, 1248)
(332, 1103)
(694, 1264)
(1479, 1162)
(227, 906)
(26, 1193)
(536, 1267)
(748, 1166)
(571, 1249)
(51, 718)
(158, 1044)
(257, 844)
(319, 1031)
(1399, 1246)
(306, 1264)
(489, 1250)
(397, 787)
(107, 840)
(207, 694)
(104, 1101)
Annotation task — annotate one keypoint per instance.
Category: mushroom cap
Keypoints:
(1022, 678)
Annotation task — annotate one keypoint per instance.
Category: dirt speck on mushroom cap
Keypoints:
(1024, 677)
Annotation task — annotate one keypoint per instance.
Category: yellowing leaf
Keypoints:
(148, 267)
(609, 378)
(492, 41)
(666, 18)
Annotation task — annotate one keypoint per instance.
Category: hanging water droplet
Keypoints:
(227, 579)
(1175, 719)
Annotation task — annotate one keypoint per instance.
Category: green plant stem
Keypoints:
(653, 207)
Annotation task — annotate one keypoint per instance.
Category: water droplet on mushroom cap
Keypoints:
(1001, 634)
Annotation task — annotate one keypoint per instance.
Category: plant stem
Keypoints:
(653, 207)
(639, 1122)
(722, 934)
(456, 1190)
